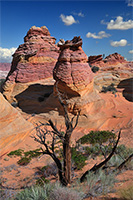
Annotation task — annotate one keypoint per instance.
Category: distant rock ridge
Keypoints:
(74, 77)
(112, 59)
(113, 69)
(32, 61)
(5, 66)
(4, 69)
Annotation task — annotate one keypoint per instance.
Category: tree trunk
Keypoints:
(67, 158)
(62, 179)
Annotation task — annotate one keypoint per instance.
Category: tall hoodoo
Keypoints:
(72, 70)
(73, 76)
(33, 61)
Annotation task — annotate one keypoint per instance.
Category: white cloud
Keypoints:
(100, 35)
(119, 24)
(6, 54)
(121, 43)
(68, 20)
(130, 3)
(131, 51)
(80, 14)
(103, 22)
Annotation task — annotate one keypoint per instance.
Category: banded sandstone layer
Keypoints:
(13, 127)
(32, 62)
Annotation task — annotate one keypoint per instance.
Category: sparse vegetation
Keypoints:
(95, 69)
(41, 181)
(17, 152)
(24, 160)
(64, 193)
(126, 193)
(26, 157)
(98, 137)
(99, 183)
(78, 158)
(33, 154)
(34, 193)
(109, 88)
(49, 170)
(49, 192)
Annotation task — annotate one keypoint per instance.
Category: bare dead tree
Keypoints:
(64, 170)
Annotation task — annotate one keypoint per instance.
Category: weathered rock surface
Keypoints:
(94, 59)
(74, 77)
(113, 69)
(13, 127)
(33, 61)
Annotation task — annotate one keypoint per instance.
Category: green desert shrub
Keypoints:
(126, 193)
(78, 158)
(95, 69)
(98, 137)
(33, 154)
(93, 150)
(109, 88)
(25, 156)
(17, 152)
(24, 161)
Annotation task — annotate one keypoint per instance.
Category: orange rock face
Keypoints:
(13, 127)
(33, 61)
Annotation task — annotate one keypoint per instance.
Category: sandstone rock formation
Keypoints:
(13, 127)
(33, 61)
(95, 59)
(74, 77)
(113, 69)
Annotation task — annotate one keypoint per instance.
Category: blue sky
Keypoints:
(105, 26)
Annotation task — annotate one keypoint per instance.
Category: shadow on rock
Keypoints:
(127, 85)
(31, 100)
